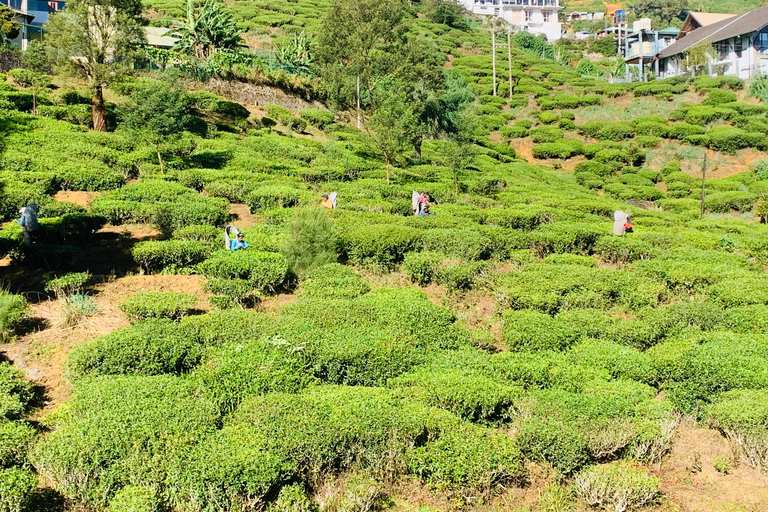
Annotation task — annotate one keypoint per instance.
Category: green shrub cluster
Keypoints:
(263, 271)
(171, 305)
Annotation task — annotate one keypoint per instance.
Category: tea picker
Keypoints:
(621, 223)
(234, 239)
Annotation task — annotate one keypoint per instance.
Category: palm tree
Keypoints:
(206, 30)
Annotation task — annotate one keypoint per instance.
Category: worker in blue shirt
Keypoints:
(239, 243)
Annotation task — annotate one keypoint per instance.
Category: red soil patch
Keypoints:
(242, 216)
(76, 196)
(689, 478)
(524, 149)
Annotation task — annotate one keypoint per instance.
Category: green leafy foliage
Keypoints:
(145, 305)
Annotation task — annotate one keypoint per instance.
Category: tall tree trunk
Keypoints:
(98, 109)
(417, 147)
(160, 160)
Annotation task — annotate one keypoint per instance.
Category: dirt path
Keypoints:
(689, 478)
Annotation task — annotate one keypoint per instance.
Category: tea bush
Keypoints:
(92, 453)
(17, 392)
(466, 394)
(67, 284)
(264, 271)
(723, 363)
(333, 281)
(561, 445)
(152, 347)
(153, 256)
(13, 309)
(422, 267)
(171, 305)
(16, 488)
(134, 498)
(236, 371)
(619, 485)
(741, 415)
(333, 428)
(531, 330)
(469, 459)
(380, 245)
(16, 437)
(272, 196)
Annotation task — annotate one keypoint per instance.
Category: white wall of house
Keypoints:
(734, 57)
(530, 15)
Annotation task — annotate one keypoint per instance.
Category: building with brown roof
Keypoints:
(739, 48)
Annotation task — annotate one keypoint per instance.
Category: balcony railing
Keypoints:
(525, 3)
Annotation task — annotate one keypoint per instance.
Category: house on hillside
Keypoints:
(539, 17)
(31, 15)
(639, 47)
(694, 20)
(740, 45)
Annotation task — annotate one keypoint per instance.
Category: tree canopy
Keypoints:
(95, 39)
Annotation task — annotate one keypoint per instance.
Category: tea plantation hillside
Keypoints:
(507, 352)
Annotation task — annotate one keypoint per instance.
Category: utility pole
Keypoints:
(703, 177)
(493, 56)
(359, 123)
(509, 58)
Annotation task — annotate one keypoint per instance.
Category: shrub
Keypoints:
(461, 276)
(616, 130)
(618, 485)
(153, 347)
(724, 202)
(547, 118)
(682, 131)
(723, 363)
(16, 437)
(552, 441)
(741, 416)
(154, 256)
(16, 391)
(317, 117)
(16, 488)
(719, 97)
(469, 458)
(236, 371)
(563, 149)
(272, 196)
(145, 305)
(546, 134)
(134, 498)
(67, 284)
(293, 498)
(77, 307)
(198, 233)
(565, 237)
(264, 271)
(381, 245)
(13, 309)
(333, 281)
(422, 267)
(311, 240)
(333, 428)
(623, 249)
(471, 396)
(598, 168)
(526, 331)
(92, 452)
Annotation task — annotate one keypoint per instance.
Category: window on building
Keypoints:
(547, 16)
(528, 15)
(762, 40)
(722, 49)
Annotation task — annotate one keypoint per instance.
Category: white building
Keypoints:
(740, 45)
(31, 14)
(539, 17)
